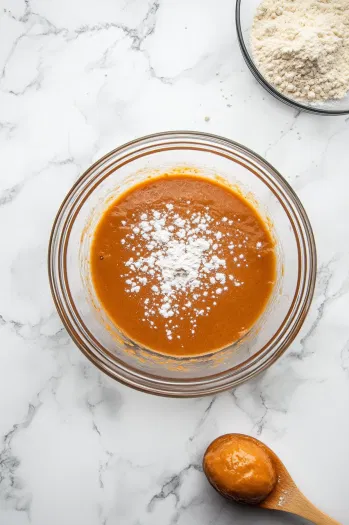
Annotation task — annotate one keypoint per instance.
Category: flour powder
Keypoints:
(302, 47)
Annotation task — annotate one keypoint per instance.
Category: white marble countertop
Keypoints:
(78, 78)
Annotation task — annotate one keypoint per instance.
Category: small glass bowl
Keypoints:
(83, 315)
(244, 15)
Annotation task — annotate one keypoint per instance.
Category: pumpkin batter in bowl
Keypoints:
(88, 318)
(183, 265)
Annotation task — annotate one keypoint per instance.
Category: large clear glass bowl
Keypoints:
(95, 334)
(245, 12)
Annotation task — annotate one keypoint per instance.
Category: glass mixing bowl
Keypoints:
(245, 12)
(82, 314)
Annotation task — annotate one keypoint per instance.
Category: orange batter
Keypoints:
(182, 265)
(239, 468)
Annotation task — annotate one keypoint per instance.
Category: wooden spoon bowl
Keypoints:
(285, 496)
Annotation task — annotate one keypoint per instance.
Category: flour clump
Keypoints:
(302, 47)
(181, 255)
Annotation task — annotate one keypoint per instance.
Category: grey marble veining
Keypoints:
(77, 79)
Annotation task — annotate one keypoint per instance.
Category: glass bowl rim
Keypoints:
(269, 87)
(165, 386)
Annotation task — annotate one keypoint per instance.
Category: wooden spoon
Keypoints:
(286, 496)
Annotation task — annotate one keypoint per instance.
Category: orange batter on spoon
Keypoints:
(239, 468)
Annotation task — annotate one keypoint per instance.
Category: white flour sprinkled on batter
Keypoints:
(185, 258)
